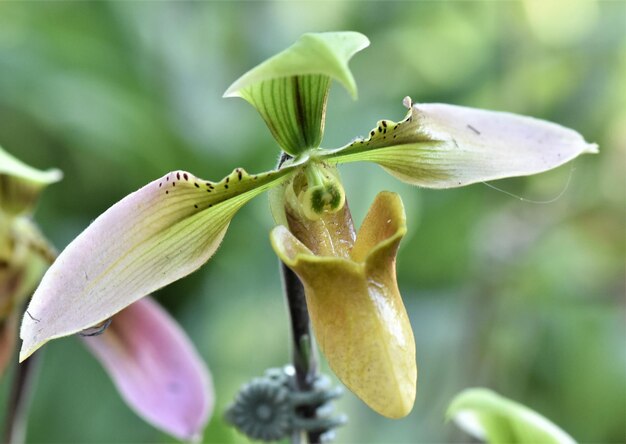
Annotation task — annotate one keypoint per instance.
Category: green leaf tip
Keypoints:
(492, 418)
(20, 184)
(290, 90)
(325, 53)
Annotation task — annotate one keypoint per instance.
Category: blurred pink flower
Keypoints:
(151, 361)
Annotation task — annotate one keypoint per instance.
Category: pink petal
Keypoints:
(152, 237)
(156, 369)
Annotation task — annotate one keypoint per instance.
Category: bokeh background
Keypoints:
(527, 299)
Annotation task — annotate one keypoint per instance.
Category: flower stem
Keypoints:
(16, 418)
(303, 347)
(303, 353)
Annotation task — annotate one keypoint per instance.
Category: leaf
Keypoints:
(290, 89)
(492, 418)
(21, 184)
(356, 309)
(149, 239)
(156, 369)
(445, 146)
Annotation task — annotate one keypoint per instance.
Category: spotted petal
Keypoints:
(156, 369)
(21, 184)
(356, 310)
(152, 237)
(445, 146)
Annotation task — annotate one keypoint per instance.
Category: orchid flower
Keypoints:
(151, 361)
(173, 225)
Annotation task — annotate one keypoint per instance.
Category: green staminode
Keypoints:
(324, 192)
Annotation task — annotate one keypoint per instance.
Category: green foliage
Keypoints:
(494, 419)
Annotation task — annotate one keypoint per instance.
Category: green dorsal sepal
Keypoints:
(290, 90)
(293, 108)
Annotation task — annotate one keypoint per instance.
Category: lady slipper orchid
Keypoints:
(173, 225)
(153, 364)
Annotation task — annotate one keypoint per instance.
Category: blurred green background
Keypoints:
(526, 299)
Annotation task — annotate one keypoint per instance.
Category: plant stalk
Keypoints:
(303, 348)
(16, 418)
(304, 354)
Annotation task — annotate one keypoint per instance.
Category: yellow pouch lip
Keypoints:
(356, 310)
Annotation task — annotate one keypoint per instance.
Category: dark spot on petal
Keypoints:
(195, 206)
(32, 317)
(225, 186)
(167, 178)
(160, 184)
(394, 136)
(473, 129)
(173, 184)
(380, 129)
(196, 185)
(255, 177)
(239, 174)
(372, 133)
(210, 205)
(178, 176)
(185, 176)
(385, 124)
(227, 179)
(167, 192)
